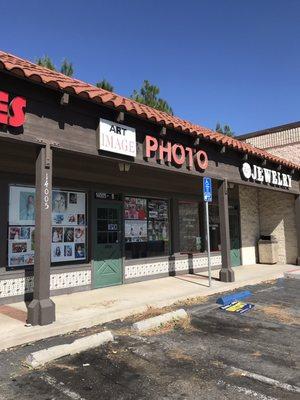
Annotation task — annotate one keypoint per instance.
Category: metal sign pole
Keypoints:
(208, 242)
(207, 197)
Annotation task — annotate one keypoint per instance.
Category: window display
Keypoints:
(189, 227)
(146, 227)
(68, 226)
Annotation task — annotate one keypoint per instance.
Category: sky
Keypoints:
(236, 62)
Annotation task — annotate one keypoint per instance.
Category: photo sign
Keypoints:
(117, 138)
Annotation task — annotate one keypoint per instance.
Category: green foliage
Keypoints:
(46, 62)
(67, 68)
(226, 130)
(104, 84)
(148, 94)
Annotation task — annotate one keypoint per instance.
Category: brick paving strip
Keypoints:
(14, 313)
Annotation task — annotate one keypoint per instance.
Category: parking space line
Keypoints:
(265, 379)
(60, 386)
(248, 392)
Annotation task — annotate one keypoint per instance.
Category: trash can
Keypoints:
(268, 249)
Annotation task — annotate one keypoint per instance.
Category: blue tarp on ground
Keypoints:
(225, 300)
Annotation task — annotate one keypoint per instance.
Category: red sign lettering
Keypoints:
(12, 113)
(175, 153)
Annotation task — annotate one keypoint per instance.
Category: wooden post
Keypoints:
(41, 311)
(226, 274)
(297, 210)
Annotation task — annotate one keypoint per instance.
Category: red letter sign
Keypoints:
(177, 154)
(12, 114)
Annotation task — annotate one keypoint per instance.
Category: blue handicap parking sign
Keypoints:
(207, 189)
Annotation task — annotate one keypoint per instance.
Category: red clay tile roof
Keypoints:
(56, 80)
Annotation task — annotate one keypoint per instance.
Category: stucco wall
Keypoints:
(291, 152)
(250, 229)
(277, 217)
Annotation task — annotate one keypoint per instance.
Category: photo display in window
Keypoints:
(135, 213)
(68, 233)
(68, 226)
(135, 231)
(139, 228)
(135, 208)
(20, 245)
(158, 229)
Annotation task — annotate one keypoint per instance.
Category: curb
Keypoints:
(40, 358)
(156, 322)
(293, 274)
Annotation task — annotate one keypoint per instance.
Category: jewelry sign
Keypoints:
(117, 138)
(265, 175)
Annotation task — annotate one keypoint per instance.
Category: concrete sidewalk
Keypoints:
(85, 309)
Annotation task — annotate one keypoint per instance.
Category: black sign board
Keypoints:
(108, 196)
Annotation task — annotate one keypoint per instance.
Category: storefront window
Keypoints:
(146, 227)
(214, 227)
(68, 226)
(189, 227)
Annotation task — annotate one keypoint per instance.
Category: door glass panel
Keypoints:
(101, 237)
(107, 225)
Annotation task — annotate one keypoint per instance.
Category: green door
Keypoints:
(234, 226)
(107, 260)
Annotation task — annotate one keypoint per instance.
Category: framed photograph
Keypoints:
(158, 209)
(158, 231)
(80, 219)
(79, 251)
(135, 231)
(14, 233)
(25, 233)
(21, 205)
(72, 198)
(71, 219)
(135, 208)
(57, 252)
(68, 234)
(29, 259)
(69, 251)
(59, 202)
(19, 247)
(57, 234)
(79, 234)
(16, 260)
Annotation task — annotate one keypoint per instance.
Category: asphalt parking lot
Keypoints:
(216, 355)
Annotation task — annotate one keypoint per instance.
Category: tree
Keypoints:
(46, 62)
(148, 94)
(67, 68)
(225, 130)
(104, 84)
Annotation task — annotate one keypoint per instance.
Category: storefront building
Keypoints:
(97, 190)
(282, 140)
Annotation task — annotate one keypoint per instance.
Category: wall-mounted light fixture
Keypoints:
(124, 167)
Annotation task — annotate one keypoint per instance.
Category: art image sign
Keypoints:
(117, 138)
(265, 175)
(175, 153)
